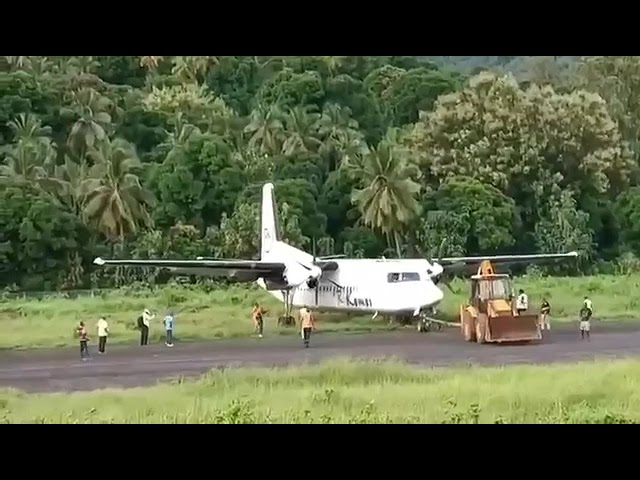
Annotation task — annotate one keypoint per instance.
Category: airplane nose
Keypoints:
(433, 295)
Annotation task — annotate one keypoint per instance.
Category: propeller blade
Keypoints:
(315, 259)
(448, 285)
(441, 248)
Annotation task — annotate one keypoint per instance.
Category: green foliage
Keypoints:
(356, 392)
(371, 155)
(481, 218)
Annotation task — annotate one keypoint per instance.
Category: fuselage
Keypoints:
(363, 285)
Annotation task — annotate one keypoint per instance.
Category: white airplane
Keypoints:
(405, 287)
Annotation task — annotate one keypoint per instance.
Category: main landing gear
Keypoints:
(287, 320)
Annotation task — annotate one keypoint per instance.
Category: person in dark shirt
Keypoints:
(545, 311)
(84, 341)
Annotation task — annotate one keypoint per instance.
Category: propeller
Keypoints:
(444, 278)
(316, 280)
(315, 259)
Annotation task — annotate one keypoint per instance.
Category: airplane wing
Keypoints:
(242, 270)
(505, 259)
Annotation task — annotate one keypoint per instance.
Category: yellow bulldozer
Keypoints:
(491, 316)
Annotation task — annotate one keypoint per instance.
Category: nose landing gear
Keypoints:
(426, 322)
(287, 320)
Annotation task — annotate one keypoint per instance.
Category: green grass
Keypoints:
(357, 392)
(28, 323)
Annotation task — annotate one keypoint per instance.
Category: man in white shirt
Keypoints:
(144, 327)
(585, 318)
(588, 306)
(522, 304)
(103, 332)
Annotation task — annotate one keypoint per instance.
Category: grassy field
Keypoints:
(29, 323)
(357, 392)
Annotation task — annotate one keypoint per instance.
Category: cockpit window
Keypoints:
(403, 277)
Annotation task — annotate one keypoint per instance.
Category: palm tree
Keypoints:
(265, 129)
(68, 184)
(28, 161)
(180, 134)
(333, 63)
(82, 65)
(301, 130)
(388, 202)
(191, 69)
(93, 121)
(19, 63)
(40, 66)
(33, 155)
(116, 201)
(150, 63)
(334, 120)
(27, 127)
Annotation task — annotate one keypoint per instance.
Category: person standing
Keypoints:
(144, 328)
(308, 325)
(103, 332)
(585, 325)
(545, 311)
(258, 318)
(522, 304)
(168, 326)
(586, 312)
(587, 306)
(84, 341)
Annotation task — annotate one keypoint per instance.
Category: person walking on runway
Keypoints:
(307, 324)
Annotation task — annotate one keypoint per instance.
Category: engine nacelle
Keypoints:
(435, 272)
(296, 274)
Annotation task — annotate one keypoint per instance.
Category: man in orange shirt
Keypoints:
(84, 341)
(258, 318)
(308, 325)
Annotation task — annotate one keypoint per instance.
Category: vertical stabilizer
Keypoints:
(268, 222)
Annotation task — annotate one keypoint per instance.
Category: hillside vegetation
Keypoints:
(164, 156)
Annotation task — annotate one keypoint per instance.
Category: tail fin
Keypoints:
(269, 222)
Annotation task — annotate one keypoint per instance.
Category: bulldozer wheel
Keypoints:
(468, 331)
(480, 332)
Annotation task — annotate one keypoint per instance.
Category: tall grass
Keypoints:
(49, 322)
(357, 392)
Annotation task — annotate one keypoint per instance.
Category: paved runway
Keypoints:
(131, 366)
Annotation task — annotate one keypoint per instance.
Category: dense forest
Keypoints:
(397, 156)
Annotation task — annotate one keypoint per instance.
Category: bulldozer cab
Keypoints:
(490, 316)
(490, 288)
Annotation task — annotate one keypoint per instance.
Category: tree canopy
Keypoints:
(370, 156)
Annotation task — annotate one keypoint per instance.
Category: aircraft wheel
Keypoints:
(284, 321)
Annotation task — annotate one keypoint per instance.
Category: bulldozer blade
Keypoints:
(514, 329)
